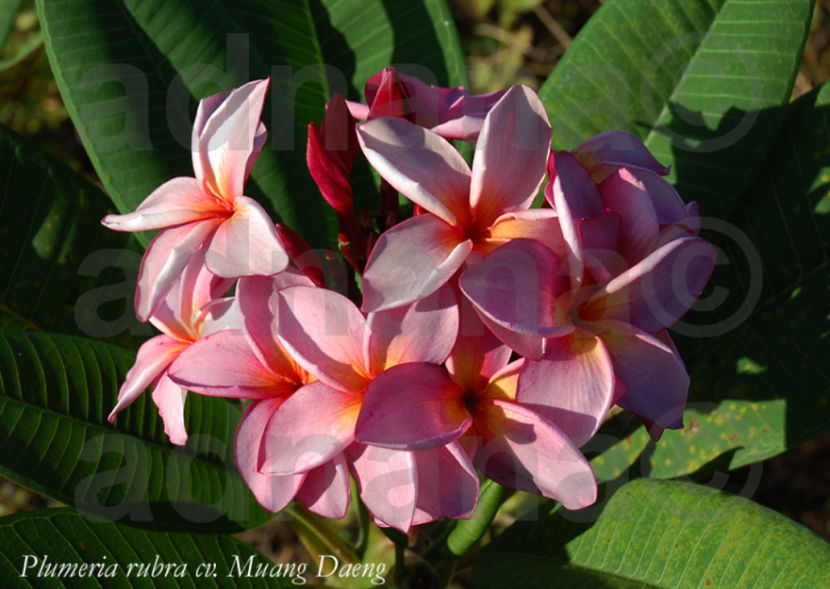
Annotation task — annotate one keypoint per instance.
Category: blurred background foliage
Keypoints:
(507, 42)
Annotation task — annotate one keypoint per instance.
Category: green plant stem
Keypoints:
(468, 532)
(320, 535)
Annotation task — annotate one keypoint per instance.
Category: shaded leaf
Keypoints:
(60, 541)
(658, 534)
(700, 83)
(55, 394)
(58, 268)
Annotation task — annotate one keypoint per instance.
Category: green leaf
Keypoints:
(44, 548)
(658, 534)
(59, 271)
(130, 74)
(8, 14)
(55, 394)
(761, 387)
(700, 81)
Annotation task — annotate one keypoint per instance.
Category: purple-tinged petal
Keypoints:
(272, 492)
(326, 489)
(574, 196)
(310, 428)
(246, 243)
(223, 365)
(151, 362)
(571, 386)
(668, 206)
(169, 399)
(412, 407)
(465, 116)
(419, 164)
(424, 331)
(230, 139)
(617, 147)
(412, 260)
(511, 155)
(388, 483)
(165, 259)
(653, 373)
(448, 484)
(625, 195)
(657, 291)
(323, 331)
(514, 290)
(531, 454)
(176, 202)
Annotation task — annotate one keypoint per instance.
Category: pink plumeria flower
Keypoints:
(466, 210)
(251, 364)
(209, 211)
(191, 310)
(331, 339)
(452, 113)
(473, 400)
(593, 340)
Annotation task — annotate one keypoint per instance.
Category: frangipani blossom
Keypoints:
(616, 341)
(452, 113)
(191, 310)
(331, 339)
(466, 210)
(473, 401)
(209, 211)
(251, 364)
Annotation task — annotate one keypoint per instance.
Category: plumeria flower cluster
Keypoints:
(490, 338)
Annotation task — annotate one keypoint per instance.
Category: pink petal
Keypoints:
(617, 147)
(272, 492)
(658, 290)
(179, 313)
(310, 428)
(230, 139)
(572, 386)
(177, 201)
(223, 365)
(388, 483)
(326, 489)
(511, 154)
(152, 360)
(448, 484)
(424, 331)
(514, 290)
(246, 244)
(419, 164)
(323, 331)
(258, 299)
(411, 261)
(624, 194)
(414, 407)
(478, 354)
(539, 224)
(574, 196)
(668, 206)
(531, 454)
(653, 373)
(465, 117)
(169, 399)
(165, 259)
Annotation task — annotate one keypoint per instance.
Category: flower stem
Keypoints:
(320, 536)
